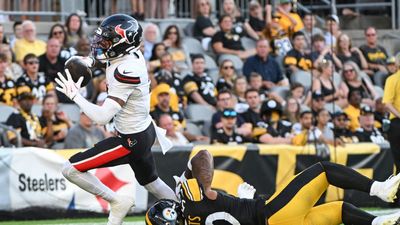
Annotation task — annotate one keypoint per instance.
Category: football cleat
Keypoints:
(391, 219)
(386, 190)
(119, 209)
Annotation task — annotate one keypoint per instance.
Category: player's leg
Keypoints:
(107, 152)
(335, 213)
(347, 178)
(142, 162)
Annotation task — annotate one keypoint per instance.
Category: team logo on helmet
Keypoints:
(169, 214)
(126, 33)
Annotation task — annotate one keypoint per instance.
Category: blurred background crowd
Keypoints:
(222, 72)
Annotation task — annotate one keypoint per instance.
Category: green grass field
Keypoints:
(132, 220)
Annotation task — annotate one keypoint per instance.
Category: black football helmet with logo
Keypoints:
(116, 36)
(164, 212)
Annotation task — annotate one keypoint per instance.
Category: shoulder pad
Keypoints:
(191, 190)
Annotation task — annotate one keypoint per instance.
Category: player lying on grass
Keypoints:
(292, 204)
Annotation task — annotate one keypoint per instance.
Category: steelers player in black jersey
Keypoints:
(292, 203)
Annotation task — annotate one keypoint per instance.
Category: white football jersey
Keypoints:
(127, 79)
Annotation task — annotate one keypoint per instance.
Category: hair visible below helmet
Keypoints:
(116, 36)
(164, 212)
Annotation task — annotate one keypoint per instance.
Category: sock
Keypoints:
(374, 188)
(160, 190)
(88, 182)
(356, 216)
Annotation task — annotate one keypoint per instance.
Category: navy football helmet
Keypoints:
(164, 212)
(116, 36)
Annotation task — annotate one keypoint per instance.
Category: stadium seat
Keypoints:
(337, 79)
(379, 91)
(193, 128)
(303, 78)
(37, 109)
(199, 113)
(210, 63)
(281, 91)
(72, 111)
(332, 108)
(5, 112)
(188, 30)
(237, 62)
(192, 46)
(248, 43)
(214, 74)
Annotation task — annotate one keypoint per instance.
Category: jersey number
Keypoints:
(223, 216)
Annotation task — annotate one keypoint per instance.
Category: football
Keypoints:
(78, 68)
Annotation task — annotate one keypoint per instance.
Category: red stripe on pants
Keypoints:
(98, 161)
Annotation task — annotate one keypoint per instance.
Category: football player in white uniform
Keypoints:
(116, 42)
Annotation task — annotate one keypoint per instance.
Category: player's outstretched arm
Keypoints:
(203, 168)
(99, 114)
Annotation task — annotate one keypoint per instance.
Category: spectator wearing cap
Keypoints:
(376, 56)
(167, 74)
(367, 132)
(177, 138)
(317, 102)
(29, 43)
(198, 85)
(296, 60)
(227, 133)
(227, 41)
(84, 134)
(27, 123)
(332, 30)
(354, 109)
(288, 20)
(340, 128)
(34, 81)
(163, 106)
(8, 91)
(55, 124)
(352, 80)
(391, 65)
(325, 85)
(225, 100)
(51, 62)
(263, 63)
(391, 99)
(277, 130)
(310, 29)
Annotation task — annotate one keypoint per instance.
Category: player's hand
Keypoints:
(68, 86)
(88, 60)
(245, 190)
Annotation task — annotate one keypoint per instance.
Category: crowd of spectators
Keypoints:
(299, 84)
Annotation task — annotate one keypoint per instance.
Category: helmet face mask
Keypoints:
(164, 212)
(116, 36)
